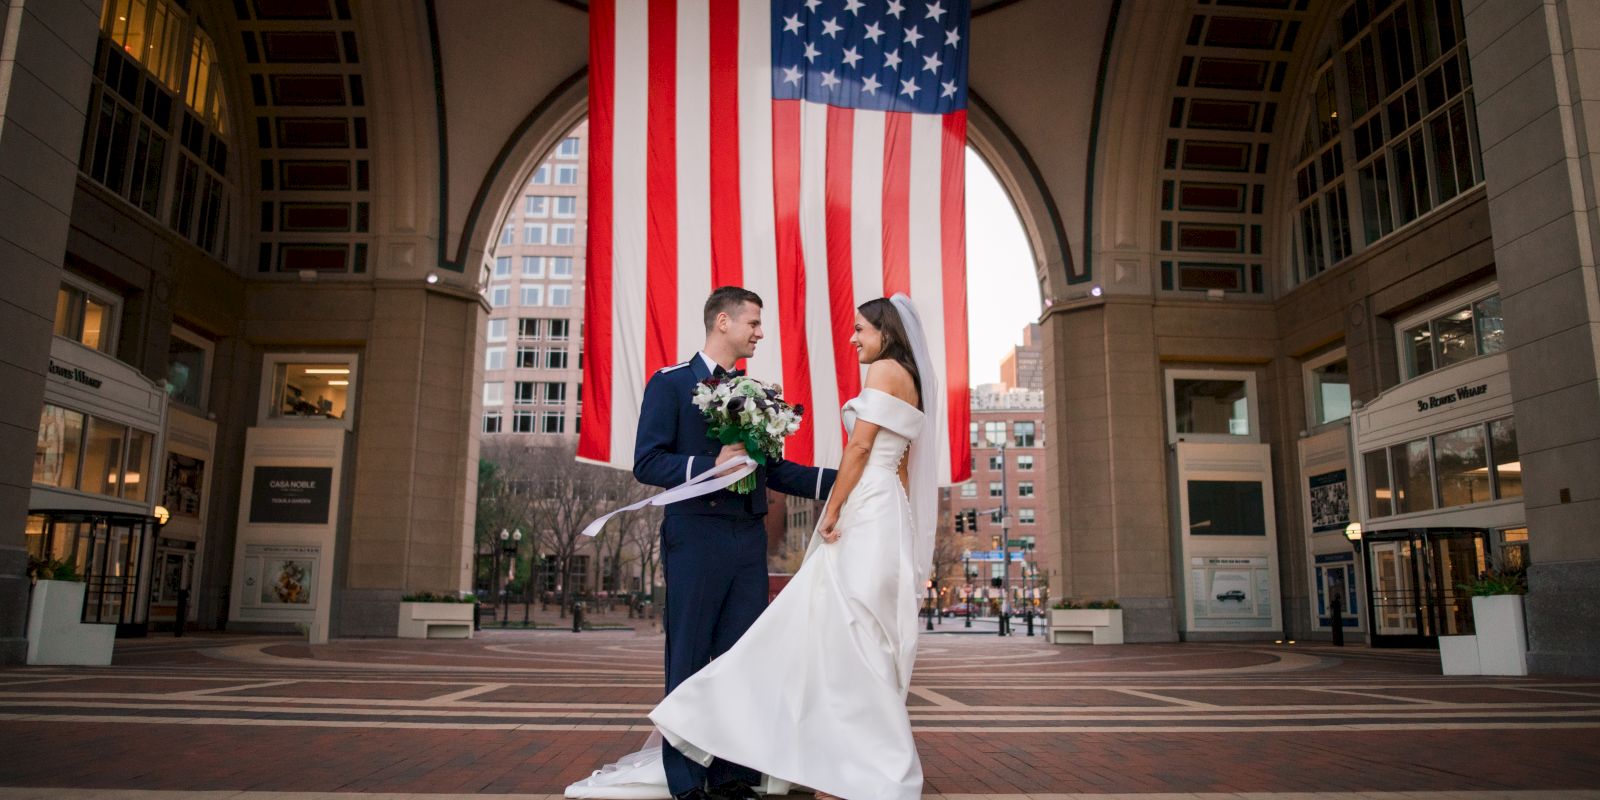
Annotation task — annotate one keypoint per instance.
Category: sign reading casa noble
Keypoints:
(297, 495)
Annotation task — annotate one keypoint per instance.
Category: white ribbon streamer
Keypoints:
(700, 485)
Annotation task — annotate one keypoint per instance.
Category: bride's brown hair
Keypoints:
(896, 345)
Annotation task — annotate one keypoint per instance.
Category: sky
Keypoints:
(1002, 289)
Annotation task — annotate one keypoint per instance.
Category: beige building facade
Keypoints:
(1235, 209)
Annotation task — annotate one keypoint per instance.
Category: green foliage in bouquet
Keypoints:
(743, 410)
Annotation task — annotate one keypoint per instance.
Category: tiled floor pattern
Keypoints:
(521, 714)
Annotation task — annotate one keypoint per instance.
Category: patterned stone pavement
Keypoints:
(523, 713)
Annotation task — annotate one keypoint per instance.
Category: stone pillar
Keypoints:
(411, 508)
(46, 57)
(1107, 461)
(1536, 76)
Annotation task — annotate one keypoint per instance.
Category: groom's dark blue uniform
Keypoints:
(714, 548)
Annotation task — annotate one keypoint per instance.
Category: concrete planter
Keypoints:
(1502, 634)
(436, 620)
(1086, 626)
(1458, 655)
(56, 634)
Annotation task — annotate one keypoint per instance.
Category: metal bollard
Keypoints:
(182, 617)
(1337, 604)
(1029, 615)
(577, 617)
(477, 615)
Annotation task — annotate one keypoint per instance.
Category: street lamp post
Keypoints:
(930, 604)
(1005, 538)
(966, 589)
(508, 548)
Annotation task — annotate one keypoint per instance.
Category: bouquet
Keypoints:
(744, 410)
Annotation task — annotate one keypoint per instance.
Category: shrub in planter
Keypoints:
(52, 570)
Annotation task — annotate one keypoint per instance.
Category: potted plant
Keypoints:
(1091, 622)
(1501, 632)
(427, 615)
(57, 633)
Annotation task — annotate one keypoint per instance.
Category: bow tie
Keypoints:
(719, 372)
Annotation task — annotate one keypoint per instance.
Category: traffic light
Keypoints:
(961, 522)
(972, 520)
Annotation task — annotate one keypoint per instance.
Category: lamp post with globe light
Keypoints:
(509, 542)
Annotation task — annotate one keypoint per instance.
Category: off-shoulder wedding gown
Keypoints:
(814, 693)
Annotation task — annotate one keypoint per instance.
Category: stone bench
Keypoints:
(435, 620)
(1085, 626)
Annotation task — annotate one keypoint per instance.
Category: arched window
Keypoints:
(158, 90)
(1390, 131)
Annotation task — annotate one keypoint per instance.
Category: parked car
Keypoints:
(960, 610)
(1232, 594)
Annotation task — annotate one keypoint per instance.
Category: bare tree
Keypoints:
(643, 533)
(505, 499)
(568, 494)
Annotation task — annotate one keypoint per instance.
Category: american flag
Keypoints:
(811, 151)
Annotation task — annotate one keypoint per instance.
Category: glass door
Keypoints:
(1394, 588)
(1413, 576)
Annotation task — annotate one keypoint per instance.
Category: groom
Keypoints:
(714, 547)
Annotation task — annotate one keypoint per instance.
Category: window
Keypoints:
(1025, 462)
(492, 421)
(561, 267)
(502, 267)
(541, 176)
(994, 433)
(1208, 405)
(567, 176)
(561, 295)
(997, 462)
(59, 447)
(568, 147)
(1025, 489)
(1475, 464)
(561, 234)
(532, 296)
(533, 233)
(1380, 494)
(1461, 461)
(494, 358)
(554, 394)
(529, 357)
(1436, 340)
(522, 421)
(997, 489)
(523, 394)
(1503, 453)
(305, 387)
(529, 328)
(566, 206)
(1513, 550)
(188, 368)
(555, 359)
(533, 266)
(1023, 433)
(86, 315)
(500, 296)
(969, 489)
(972, 427)
(497, 330)
(1399, 140)
(559, 329)
(1411, 474)
(508, 235)
(494, 393)
(552, 422)
(536, 205)
(1328, 388)
(1025, 516)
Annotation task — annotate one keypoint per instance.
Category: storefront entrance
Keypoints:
(110, 552)
(1412, 580)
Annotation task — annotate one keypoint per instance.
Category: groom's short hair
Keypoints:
(728, 299)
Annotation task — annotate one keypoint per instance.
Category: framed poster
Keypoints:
(293, 495)
(1330, 501)
(281, 576)
(184, 485)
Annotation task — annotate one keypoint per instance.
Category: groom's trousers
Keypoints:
(716, 571)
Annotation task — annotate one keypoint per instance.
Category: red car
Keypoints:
(960, 610)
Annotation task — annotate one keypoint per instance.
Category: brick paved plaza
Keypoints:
(523, 713)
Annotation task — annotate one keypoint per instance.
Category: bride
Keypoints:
(814, 693)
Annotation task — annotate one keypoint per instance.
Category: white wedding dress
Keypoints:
(814, 693)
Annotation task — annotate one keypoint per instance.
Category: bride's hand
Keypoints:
(829, 527)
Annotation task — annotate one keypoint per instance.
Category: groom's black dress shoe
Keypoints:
(734, 790)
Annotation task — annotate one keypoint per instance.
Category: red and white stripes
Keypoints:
(698, 178)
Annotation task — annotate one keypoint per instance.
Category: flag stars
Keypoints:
(949, 89)
(870, 85)
(909, 88)
(811, 5)
(851, 56)
(952, 37)
(829, 80)
(935, 12)
(812, 52)
(791, 75)
(831, 28)
(896, 8)
(932, 63)
(874, 33)
(853, 6)
(891, 60)
(913, 36)
(793, 24)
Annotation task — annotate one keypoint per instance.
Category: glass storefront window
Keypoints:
(1380, 495)
(1330, 392)
(1413, 479)
(1507, 464)
(1513, 550)
(59, 447)
(1211, 406)
(311, 390)
(102, 457)
(1462, 463)
(136, 475)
